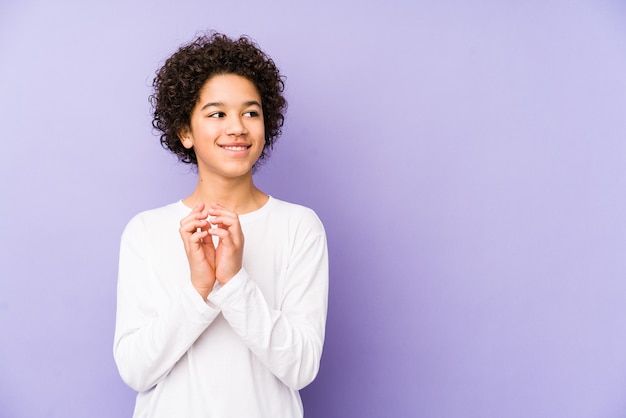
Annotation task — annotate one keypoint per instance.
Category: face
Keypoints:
(226, 128)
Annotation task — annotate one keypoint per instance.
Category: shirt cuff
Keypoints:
(194, 302)
(222, 293)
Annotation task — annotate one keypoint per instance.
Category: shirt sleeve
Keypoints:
(153, 329)
(287, 340)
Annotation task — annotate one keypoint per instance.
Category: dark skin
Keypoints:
(226, 131)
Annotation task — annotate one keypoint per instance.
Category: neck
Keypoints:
(237, 194)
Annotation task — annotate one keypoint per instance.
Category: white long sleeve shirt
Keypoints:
(248, 348)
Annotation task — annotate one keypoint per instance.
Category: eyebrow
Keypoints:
(221, 104)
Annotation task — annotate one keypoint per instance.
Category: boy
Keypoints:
(222, 296)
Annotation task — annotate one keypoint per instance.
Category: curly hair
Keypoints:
(178, 83)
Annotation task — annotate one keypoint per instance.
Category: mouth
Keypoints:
(235, 147)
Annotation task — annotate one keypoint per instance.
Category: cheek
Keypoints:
(260, 147)
(260, 134)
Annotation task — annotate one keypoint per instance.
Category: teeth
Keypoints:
(235, 148)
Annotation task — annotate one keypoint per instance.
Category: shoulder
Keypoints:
(154, 219)
(296, 215)
(293, 210)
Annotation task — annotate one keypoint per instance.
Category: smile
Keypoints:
(235, 147)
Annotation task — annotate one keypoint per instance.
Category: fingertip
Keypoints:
(215, 231)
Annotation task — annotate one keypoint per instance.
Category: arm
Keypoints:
(155, 324)
(288, 340)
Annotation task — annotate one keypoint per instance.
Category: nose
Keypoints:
(236, 126)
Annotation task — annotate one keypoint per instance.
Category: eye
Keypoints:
(252, 114)
(217, 115)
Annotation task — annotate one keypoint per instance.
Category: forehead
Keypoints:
(227, 88)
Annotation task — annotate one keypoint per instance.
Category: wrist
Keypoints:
(227, 276)
(203, 288)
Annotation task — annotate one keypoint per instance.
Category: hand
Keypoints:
(199, 248)
(229, 251)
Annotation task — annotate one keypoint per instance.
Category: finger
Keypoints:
(224, 222)
(230, 226)
(195, 219)
(221, 233)
(197, 212)
(216, 209)
(226, 219)
(221, 215)
(198, 208)
(196, 241)
(193, 225)
(194, 235)
(228, 236)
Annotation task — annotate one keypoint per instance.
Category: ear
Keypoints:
(185, 137)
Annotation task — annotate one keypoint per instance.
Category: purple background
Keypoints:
(468, 159)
